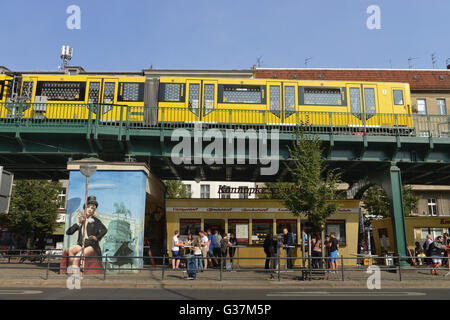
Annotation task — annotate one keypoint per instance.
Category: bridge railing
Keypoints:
(131, 117)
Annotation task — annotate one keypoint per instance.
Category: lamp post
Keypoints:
(86, 171)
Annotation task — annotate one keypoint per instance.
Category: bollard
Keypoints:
(279, 268)
(163, 265)
(342, 266)
(106, 266)
(221, 266)
(399, 270)
(48, 266)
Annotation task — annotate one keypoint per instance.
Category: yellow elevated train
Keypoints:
(209, 100)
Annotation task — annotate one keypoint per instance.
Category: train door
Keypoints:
(370, 105)
(289, 103)
(274, 97)
(356, 118)
(209, 102)
(108, 98)
(193, 103)
(95, 86)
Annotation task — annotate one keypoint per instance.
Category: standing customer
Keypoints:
(288, 241)
(210, 247)
(334, 251)
(267, 251)
(217, 238)
(274, 255)
(316, 251)
(232, 250)
(198, 253)
(176, 244)
(224, 244)
(205, 248)
(437, 248)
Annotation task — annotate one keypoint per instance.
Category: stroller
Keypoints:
(191, 267)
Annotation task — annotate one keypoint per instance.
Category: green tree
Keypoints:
(316, 187)
(33, 209)
(377, 203)
(176, 189)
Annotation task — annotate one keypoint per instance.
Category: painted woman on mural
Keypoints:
(95, 231)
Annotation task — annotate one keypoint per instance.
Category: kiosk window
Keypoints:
(190, 226)
(240, 229)
(338, 227)
(260, 230)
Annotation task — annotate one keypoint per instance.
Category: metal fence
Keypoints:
(305, 268)
(123, 117)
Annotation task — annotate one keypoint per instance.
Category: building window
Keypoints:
(223, 194)
(421, 106)
(243, 192)
(338, 227)
(432, 207)
(204, 191)
(260, 230)
(62, 199)
(189, 190)
(442, 109)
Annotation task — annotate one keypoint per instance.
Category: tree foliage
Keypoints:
(176, 189)
(33, 208)
(377, 203)
(316, 187)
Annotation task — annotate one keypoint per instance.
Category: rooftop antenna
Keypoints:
(66, 55)
(434, 60)
(306, 61)
(259, 62)
(410, 65)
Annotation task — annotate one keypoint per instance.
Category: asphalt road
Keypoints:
(222, 294)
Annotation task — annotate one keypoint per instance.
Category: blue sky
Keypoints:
(210, 34)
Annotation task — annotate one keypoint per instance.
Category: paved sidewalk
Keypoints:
(33, 275)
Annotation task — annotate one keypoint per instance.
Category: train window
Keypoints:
(398, 97)
(2, 83)
(369, 102)
(108, 94)
(320, 96)
(131, 91)
(171, 92)
(94, 92)
(355, 102)
(241, 94)
(27, 90)
(61, 90)
(194, 97)
(289, 100)
(208, 100)
(275, 100)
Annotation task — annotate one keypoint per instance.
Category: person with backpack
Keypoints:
(217, 238)
(224, 244)
(266, 245)
(316, 251)
(437, 248)
(274, 250)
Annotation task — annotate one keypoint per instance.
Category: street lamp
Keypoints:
(86, 171)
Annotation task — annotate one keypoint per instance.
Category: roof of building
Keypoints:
(418, 79)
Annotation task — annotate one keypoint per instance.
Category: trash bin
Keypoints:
(191, 266)
(389, 259)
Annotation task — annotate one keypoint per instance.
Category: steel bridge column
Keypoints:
(397, 213)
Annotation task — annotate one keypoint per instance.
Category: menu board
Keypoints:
(242, 232)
